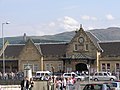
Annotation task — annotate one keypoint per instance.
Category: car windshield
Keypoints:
(114, 85)
(93, 87)
(109, 73)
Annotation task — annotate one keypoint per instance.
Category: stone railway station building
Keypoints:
(82, 52)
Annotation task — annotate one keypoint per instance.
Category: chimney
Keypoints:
(24, 37)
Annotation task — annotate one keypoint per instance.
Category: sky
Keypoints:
(49, 17)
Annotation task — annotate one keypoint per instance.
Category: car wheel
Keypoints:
(78, 79)
(95, 79)
(111, 79)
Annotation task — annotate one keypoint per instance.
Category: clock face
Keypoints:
(81, 40)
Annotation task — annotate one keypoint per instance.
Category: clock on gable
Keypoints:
(81, 40)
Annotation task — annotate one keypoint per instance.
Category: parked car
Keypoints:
(103, 76)
(114, 85)
(58, 74)
(97, 86)
(72, 74)
(85, 75)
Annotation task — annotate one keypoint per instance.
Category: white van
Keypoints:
(42, 75)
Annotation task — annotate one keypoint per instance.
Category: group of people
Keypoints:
(27, 84)
(65, 83)
(6, 76)
(11, 75)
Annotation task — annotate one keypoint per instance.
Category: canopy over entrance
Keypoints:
(81, 59)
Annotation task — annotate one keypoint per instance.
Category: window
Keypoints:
(96, 74)
(86, 47)
(100, 74)
(108, 66)
(105, 74)
(36, 68)
(59, 67)
(69, 69)
(103, 67)
(47, 67)
(117, 67)
(75, 47)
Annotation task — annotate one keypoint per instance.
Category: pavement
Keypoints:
(10, 87)
(78, 85)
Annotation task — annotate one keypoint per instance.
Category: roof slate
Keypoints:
(53, 49)
(94, 39)
(110, 48)
(13, 50)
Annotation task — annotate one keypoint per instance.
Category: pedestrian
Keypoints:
(59, 84)
(25, 84)
(64, 83)
(31, 83)
(50, 83)
(70, 84)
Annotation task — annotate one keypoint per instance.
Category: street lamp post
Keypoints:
(53, 76)
(88, 73)
(3, 47)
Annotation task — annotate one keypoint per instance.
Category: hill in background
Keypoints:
(109, 34)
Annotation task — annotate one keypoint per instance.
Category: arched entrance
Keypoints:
(81, 67)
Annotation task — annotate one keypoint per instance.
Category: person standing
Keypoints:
(25, 84)
(50, 83)
(31, 83)
(64, 83)
(59, 84)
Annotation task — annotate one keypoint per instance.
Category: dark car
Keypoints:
(97, 86)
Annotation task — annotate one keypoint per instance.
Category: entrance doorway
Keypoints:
(81, 67)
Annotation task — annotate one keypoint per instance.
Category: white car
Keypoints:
(84, 75)
(72, 74)
(103, 76)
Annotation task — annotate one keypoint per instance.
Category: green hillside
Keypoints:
(109, 34)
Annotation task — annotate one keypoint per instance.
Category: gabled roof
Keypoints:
(53, 49)
(110, 48)
(13, 50)
(30, 41)
(91, 36)
(94, 39)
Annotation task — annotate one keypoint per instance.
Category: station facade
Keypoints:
(83, 52)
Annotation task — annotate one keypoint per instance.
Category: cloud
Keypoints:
(70, 23)
(93, 18)
(109, 17)
(58, 26)
(70, 7)
(52, 24)
(86, 17)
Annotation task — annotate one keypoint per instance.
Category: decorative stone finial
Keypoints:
(80, 25)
